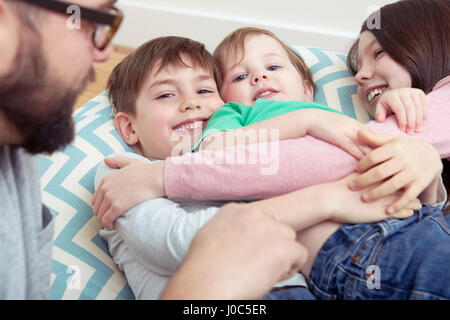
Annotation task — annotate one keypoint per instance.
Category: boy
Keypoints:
(161, 92)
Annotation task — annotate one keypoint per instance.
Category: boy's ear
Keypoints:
(309, 90)
(124, 125)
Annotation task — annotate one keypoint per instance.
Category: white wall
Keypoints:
(322, 23)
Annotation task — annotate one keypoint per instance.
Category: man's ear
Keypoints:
(309, 90)
(124, 125)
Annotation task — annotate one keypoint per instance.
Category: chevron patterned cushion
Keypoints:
(82, 267)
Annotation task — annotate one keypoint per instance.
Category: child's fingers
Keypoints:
(403, 213)
(419, 111)
(351, 147)
(397, 107)
(119, 162)
(410, 110)
(424, 100)
(397, 182)
(102, 209)
(375, 157)
(410, 194)
(377, 174)
(415, 204)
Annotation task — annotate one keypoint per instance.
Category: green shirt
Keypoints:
(234, 115)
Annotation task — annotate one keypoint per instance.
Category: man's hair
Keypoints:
(416, 34)
(126, 80)
(234, 44)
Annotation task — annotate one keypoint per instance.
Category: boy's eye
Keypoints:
(241, 77)
(165, 95)
(273, 68)
(203, 91)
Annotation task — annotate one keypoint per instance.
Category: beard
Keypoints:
(38, 105)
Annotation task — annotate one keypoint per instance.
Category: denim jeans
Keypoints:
(391, 259)
(290, 293)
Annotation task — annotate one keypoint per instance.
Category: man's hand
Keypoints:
(401, 164)
(239, 254)
(134, 183)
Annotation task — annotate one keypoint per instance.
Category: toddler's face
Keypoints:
(377, 71)
(173, 108)
(264, 72)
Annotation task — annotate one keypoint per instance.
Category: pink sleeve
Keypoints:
(270, 169)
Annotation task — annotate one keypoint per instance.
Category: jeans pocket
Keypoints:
(43, 261)
(367, 250)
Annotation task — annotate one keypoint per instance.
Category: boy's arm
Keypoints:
(157, 232)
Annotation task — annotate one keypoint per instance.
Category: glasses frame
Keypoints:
(89, 14)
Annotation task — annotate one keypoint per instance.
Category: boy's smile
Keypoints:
(173, 107)
(191, 126)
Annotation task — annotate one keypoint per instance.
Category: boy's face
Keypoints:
(265, 72)
(173, 106)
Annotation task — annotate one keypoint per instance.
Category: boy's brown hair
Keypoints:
(234, 44)
(127, 78)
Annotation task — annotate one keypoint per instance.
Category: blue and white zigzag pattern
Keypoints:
(82, 267)
(336, 87)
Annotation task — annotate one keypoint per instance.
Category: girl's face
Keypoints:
(377, 71)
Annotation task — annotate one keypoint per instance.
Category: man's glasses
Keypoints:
(106, 22)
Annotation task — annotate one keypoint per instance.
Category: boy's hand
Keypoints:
(399, 163)
(409, 106)
(347, 206)
(134, 183)
(339, 130)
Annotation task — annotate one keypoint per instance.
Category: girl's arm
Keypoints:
(264, 170)
(158, 232)
(292, 164)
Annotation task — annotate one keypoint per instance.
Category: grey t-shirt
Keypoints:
(26, 228)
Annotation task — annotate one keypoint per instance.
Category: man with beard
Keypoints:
(44, 65)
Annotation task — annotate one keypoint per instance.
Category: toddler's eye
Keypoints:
(203, 91)
(273, 68)
(165, 95)
(241, 77)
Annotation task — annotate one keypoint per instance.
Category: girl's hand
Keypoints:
(409, 106)
(339, 130)
(400, 164)
(347, 206)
